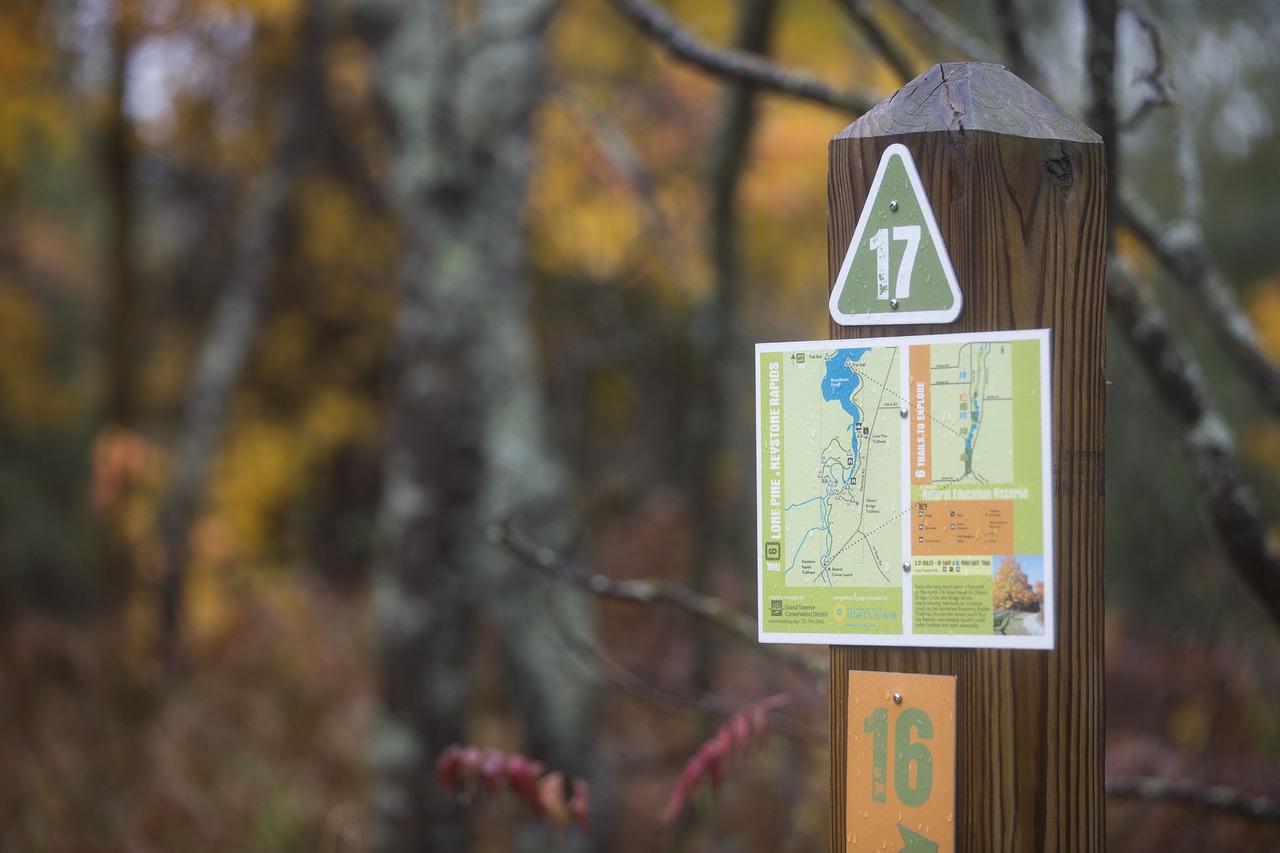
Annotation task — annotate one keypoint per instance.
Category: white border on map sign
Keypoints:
(1043, 641)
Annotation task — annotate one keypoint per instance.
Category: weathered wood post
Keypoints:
(1018, 191)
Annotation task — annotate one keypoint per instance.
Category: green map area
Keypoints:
(916, 452)
(971, 385)
(832, 482)
(843, 477)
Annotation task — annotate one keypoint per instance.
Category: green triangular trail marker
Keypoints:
(896, 269)
(914, 842)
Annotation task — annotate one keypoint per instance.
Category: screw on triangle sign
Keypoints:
(897, 269)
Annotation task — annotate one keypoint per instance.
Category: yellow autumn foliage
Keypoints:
(620, 189)
(345, 247)
(261, 472)
(1261, 438)
(586, 219)
(264, 12)
(1264, 310)
(335, 417)
(269, 465)
(33, 119)
(1262, 446)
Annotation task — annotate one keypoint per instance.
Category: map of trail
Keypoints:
(904, 490)
(971, 389)
(843, 476)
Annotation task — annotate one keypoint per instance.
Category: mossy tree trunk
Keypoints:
(468, 439)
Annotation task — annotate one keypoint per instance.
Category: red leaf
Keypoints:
(522, 775)
(710, 759)
(447, 769)
(580, 805)
(492, 769)
(742, 729)
(551, 796)
(543, 793)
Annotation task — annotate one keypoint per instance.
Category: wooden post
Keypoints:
(1019, 192)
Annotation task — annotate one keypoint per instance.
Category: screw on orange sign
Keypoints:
(901, 769)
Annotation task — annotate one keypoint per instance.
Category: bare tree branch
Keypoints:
(1219, 798)
(876, 35)
(1155, 77)
(1015, 48)
(1100, 71)
(742, 65)
(623, 679)
(947, 31)
(1181, 250)
(1226, 494)
(612, 142)
(647, 591)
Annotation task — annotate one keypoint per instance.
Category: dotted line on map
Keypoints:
(872, 532)
(894, 395)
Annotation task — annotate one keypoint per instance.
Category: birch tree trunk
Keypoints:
(461, 83)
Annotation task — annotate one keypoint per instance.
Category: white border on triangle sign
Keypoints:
(891, 317)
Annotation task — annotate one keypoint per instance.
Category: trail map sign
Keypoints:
(904, 491)
(896, 269)
(900, 793)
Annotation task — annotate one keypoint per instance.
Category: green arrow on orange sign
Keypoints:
(914, 842)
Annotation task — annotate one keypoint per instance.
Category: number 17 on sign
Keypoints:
(900, 790)
(879, 241)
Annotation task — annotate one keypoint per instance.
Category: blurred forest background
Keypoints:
(375, 377)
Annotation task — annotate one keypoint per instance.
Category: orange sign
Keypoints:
(918, 410)
(901, 794)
